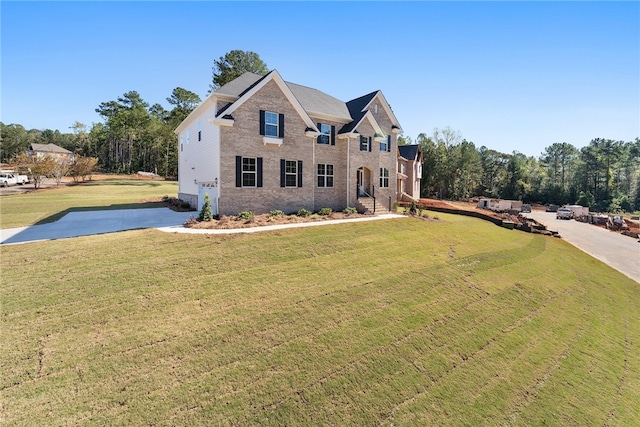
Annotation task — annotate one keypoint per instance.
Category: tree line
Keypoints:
(135, 136)
(604, 175)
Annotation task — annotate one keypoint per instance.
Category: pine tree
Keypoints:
(206, 214)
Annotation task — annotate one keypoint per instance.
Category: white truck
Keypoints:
(7, 179)
(21, 179)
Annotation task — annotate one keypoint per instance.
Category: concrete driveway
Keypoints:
(618, 251)
(86, 223)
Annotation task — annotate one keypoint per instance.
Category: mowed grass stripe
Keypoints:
(333, 325)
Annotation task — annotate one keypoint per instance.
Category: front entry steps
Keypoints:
(365, 205)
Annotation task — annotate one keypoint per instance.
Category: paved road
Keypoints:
(618, 251)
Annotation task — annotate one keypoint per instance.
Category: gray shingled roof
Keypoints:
(48, 148)
(315, 101)
(312, 100)
(237, 86)
(409, 152)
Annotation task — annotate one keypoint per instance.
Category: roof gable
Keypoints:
(409, 152)
(307, 102)
(276, 78)
(357, 107)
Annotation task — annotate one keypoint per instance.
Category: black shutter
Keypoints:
(238, 171)
(389, 143)
(261, 122)
(259, 172)
(283, 179)
(299, 173)
(281, 123)
(370, 144)
(319, 136)
(333, 135)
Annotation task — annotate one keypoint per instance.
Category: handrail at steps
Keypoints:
(358, 190)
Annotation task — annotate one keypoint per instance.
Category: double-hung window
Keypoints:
(290, 173)
(271, 124)
(365, 143)
(248, 172)
(385, 144)
(325, 175)
(384, 178)
(328, 134)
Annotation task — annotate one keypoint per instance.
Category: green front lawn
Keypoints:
(396, 322)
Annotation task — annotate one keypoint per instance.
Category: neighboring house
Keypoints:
(409, 172)
(259, 143)
(43, 150)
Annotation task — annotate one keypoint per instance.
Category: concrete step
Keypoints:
(365, 204)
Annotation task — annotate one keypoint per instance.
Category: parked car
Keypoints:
(564, 213)
(7, 179)
(526, 208)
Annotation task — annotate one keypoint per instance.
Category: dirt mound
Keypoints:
(469, 207)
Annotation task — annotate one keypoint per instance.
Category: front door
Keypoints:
(361, 191)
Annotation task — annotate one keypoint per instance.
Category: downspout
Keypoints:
(219, 177)
(315, 168)
(348, 167)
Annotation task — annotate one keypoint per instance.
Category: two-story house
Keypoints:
(409, 172)
(259, 143)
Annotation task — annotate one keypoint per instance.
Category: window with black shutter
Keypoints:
(290, 173)
(271, 124)
(248, 171)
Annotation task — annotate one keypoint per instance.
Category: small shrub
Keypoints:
(350, 210)
(276, 213)
(325, 211)
(413, 209)
(246, 215)
(190, 222)
(304, 212)
(206, 214)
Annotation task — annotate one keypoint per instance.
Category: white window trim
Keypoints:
(366, 142)
(294, 173)
(253, 172)
(270, 140)
(267, 124)
(384, 177)
(326, 175)
(327, 134)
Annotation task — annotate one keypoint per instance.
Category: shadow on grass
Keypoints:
(141, 205)
(121, 182)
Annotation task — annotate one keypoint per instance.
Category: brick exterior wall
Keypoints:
(244, 139)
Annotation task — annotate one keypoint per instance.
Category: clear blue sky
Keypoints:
(507, 75)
